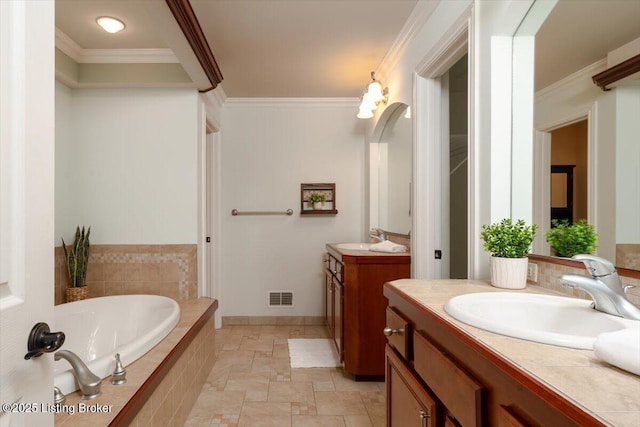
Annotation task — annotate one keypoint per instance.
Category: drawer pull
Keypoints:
(390, 331)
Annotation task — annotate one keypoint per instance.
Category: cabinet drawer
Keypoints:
(459, 392)
(397, 332)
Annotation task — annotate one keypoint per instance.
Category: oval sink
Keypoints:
(354, 246)
(561, 321)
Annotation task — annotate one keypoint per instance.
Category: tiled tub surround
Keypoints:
(163, 385)
(551, 268)
(608, 393)
(167, 270)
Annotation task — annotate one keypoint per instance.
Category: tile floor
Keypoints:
(252, 384)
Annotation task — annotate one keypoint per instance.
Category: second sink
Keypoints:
(561, 321)
(354, 246)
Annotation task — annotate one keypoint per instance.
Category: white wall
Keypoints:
(627, 165)
(270, 147)
(127, 164)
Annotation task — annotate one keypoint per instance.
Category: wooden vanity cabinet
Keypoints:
(334, 295)
(355, 307)
(469, 384)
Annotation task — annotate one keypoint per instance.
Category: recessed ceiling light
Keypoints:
(109, 24)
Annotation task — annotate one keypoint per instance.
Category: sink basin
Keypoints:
(354, 246)
(561, 321)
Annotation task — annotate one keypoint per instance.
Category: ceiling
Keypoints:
(326, 48)
(579, 33)
(264, 48)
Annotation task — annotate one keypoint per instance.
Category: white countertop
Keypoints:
(608, 393)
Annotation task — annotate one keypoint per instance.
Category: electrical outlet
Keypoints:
(532, 272)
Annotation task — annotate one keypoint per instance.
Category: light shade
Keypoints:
(375, 91)
(109, 24)
(364, 113)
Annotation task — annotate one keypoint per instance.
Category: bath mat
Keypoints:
(312, 353)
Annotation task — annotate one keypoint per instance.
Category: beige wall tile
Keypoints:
(168, 270)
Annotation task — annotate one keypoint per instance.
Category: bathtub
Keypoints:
(98, 328)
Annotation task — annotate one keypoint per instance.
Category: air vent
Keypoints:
(280, 298)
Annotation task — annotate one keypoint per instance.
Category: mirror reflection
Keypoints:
(591, 131)
(390, 179)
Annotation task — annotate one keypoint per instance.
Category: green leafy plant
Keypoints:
(508, 240)
(317, 197)
(568, 240)
(77, 257)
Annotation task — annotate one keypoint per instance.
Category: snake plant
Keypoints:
(77, 257)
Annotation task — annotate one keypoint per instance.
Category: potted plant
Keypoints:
(77, 258)
(509, 244)
(316, 200)
(568, 240)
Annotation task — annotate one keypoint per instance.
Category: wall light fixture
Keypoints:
(374, 96)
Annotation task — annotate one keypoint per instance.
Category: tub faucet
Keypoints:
(378, 234)
(88, 381)
(603, 286)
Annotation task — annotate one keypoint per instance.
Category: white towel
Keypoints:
(388, 246)
(620, 348)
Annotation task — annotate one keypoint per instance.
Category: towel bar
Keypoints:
(236, 212)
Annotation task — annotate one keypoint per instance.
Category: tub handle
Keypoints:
(119, 375)
(42, 340)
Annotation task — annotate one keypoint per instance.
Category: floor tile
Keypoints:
(252, 384)
(265, 414)
(340, 403)
(317, 421)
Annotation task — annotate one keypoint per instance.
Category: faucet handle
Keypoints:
(119, 375)
(597, 266)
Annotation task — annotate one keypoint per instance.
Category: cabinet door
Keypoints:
(338, 298)
(408, 403)
(328, 300)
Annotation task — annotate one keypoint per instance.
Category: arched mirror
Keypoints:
(390, 171)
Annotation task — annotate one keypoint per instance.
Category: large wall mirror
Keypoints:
(575, 42)
(390, 171)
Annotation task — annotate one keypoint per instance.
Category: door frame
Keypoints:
(430, 195)
(542, 166)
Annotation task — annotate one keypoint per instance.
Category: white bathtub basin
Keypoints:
(561, 321)
(98, 328)
(354, 246)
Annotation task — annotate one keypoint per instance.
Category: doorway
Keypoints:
(569, 172)
(458, 160)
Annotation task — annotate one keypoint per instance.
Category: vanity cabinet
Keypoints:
(355, 306)
(430, 360)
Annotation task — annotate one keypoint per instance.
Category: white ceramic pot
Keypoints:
(318, 205)
(509, 273)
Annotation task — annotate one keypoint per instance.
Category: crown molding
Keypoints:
(581, 75)
(188, 22)
(112, 56)
(617, 72)
(298, 102)
(416, 20)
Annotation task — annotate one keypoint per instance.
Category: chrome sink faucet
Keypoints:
(88, 381)
(603, 286)
(378, 234)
